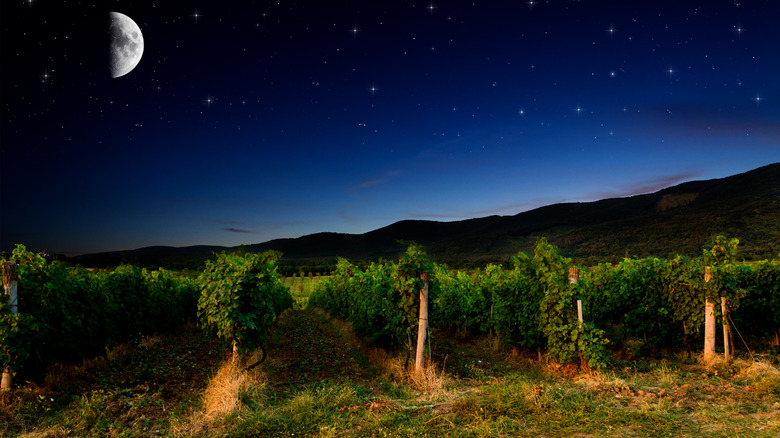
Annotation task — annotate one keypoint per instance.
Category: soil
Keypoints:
(307, 349)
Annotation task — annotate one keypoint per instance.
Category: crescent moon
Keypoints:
(127, 44)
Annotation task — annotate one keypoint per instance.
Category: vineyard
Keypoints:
(364, 319)
(654, 305)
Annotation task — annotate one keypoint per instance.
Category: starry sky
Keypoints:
(254, 120)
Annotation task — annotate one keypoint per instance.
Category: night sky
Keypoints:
(248, 121)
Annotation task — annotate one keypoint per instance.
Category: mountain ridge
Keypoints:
(678, 219)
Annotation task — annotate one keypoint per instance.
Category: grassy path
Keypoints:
(307, 349)
(318, 382)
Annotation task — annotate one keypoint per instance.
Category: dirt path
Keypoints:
(306, 349)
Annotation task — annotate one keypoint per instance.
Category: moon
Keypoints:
(127, 44)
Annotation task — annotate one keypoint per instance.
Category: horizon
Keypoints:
(402, 220)
(263, 121)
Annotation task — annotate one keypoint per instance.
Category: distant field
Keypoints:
(302, 286)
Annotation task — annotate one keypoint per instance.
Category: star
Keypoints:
(373, 89)
(45, 77)
(530, 4)
(739, 29)
(431, 7)
(671, 71)
(758, 99)
(354, 31)
(208, 101)
(196, 15)
(611, 30)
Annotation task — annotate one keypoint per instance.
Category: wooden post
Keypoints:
(574, 278)
(11, 285)
(423, 327)
(10, 288)
(574, 275)
(709, 323)
(726, 330)
(491, 319)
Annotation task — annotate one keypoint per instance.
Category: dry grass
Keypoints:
(150, 341)
(223, 394)
(120, 353)
(59, 374)
(762, 370)
(397, 368)
(428, 380)
(761, 376)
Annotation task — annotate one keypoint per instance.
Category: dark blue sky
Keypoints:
(248, 121)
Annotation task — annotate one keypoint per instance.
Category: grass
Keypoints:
(321, 381)
(301, 287)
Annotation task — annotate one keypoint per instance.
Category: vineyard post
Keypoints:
(574, 275)
(491, 319)
(574, 278)
(726, 329)
(709, 322)
(10, 287)
(423, 326)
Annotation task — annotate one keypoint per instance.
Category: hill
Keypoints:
(675, 220)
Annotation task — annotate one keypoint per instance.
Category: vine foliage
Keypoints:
(241, 296)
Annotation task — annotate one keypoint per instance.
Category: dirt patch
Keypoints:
(135, 385)
(307, 349)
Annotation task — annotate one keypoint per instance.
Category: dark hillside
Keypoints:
(675, 220)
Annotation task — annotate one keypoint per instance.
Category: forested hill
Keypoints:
(675, 220)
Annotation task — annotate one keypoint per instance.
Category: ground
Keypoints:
(318, 380)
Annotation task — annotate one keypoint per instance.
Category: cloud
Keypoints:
(646, 186)
(381, 179)
(509, 209)
(238, 230)
(370, 182)
(235, 226)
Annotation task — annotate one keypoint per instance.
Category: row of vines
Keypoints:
(68, 313)
(652, 304)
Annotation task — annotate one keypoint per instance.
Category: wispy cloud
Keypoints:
(235, 226)
(378, 180)
(509, 209)
(646, 186)
(370, 182)
(238, 230)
